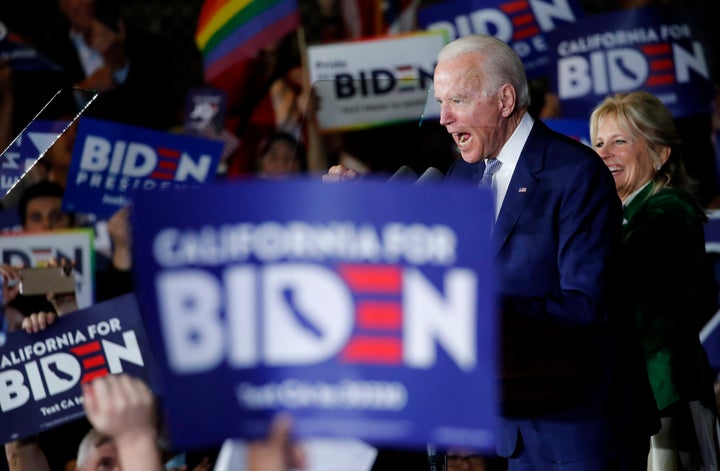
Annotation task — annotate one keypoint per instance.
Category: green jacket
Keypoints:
(663, 259)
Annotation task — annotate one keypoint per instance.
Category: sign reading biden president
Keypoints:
(656, 49)
(365, 309)
(41, 373)
(112, 161)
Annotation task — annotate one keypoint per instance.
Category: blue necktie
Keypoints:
(491, 166)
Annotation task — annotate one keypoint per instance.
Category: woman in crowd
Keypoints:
(663, 272)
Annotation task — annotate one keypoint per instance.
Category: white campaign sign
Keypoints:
(374, 82)
(76, 245)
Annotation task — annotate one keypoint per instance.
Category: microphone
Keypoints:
(430, 175)
(402, 174)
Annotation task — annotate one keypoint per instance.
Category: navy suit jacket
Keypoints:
(554, 241)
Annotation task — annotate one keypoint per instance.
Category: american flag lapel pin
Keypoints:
(522, 189)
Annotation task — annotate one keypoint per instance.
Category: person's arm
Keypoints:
(120, 234)
(123, 407)
(339, 173)
(10, 283)
(278, 452)
(111, 45)
(7, 105)
(25, 455)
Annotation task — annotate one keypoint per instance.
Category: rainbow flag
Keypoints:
(231, 30)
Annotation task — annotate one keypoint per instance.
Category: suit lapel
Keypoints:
(522, 185)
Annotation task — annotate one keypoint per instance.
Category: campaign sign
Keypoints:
(20, 55)
(364, 309)
(710, 334)
(523, 25)
(358, 88)
(578, 129)
(656, 49)
(24, 151)
(9, 221)
(41, 373)
(76, 245)
(205, 111)
(113, 161)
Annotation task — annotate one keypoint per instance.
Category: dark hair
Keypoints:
(39, 190)
(282, 136)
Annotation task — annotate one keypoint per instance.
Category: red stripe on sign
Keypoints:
(91, 375)
(167, 165)
(386, 351)
(522, 20)
(655, 49)
(663, 64)
(526, 33)
(93, 362)
(513, 7)
(379, 315)
(161, 176)
(171, 153)
(86, 349)
(666, 79)
(376, 279)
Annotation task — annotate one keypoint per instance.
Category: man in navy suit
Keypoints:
(564, 382)
(557, 226)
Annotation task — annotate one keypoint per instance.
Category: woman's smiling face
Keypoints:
(627, 157)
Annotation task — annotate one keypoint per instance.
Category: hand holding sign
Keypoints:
(38, 321)
(123, 407)
(278, 452)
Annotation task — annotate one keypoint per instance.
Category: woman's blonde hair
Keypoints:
(645, 117)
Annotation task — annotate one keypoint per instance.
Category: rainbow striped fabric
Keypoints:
(231, 30)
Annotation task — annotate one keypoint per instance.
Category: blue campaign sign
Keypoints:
(656, 49)
(205, 111)
(523, 25)
(20, 55)
(111, 162)
(26, 149)
(578, 129)
(710, 334)
(41, 374)
(365, 309)
(9, 221)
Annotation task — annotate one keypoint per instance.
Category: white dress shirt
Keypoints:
(509, 155)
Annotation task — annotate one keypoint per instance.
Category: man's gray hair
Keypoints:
(501, 64)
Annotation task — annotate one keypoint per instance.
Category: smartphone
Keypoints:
(43, 280)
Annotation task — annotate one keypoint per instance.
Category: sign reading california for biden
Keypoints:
(656, 49)
(113, 161)
(41, 374)
(364, 309)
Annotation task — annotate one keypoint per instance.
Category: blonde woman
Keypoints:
(662, 281)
